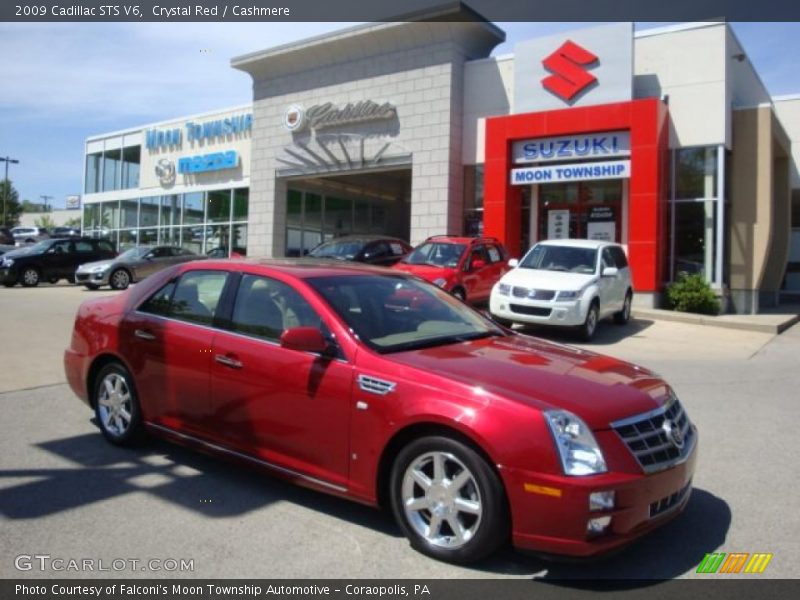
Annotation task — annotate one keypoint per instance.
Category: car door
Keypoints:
(286, 407)
(477, 274)
(610, 299)
(157, 259)
(168, 341)
(58, 259)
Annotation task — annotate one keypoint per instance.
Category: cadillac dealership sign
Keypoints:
(320, 116)
(573, 147)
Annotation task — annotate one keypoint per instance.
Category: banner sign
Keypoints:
(614, 169)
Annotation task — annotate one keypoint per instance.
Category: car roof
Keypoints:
(366, 238)
(455, 239)
(578, 243)
(300, 268)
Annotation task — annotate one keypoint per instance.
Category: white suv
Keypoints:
(572, 283)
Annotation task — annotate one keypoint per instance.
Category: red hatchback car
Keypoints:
(384, 389)
(466, 267)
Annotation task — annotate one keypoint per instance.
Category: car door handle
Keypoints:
(143, 334)
(228, 361)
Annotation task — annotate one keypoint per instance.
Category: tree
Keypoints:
(10, 207)
(45, 221)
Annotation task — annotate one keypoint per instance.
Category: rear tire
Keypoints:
(52, 280)
(117, 405)
(623, 316)
(30, 277)
(448, 500)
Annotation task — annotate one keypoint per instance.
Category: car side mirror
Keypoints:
(513, 263)
(305, 339)
(610, 271)
(477, 264)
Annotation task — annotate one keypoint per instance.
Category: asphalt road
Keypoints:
(64, 492)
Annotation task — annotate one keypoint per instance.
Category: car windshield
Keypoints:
(339, 249)
(134, 253)
(547, 257)
(437, 254)
(39, 247)
(393, 314)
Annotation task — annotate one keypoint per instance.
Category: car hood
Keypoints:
(427, 272)
(97, 263)
(548, 280)
(28, 251)
(599, 389)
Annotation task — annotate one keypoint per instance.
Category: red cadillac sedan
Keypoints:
(377, 386)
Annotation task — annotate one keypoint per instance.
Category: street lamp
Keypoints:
(13, 161)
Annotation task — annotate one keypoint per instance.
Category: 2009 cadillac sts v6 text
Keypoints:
(382, 388)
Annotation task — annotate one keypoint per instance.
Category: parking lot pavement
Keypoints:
(66, 493)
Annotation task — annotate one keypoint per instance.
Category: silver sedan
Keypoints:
(131, 266)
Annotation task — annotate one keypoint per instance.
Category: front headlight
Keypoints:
(503, 289)
(7, 262)
(441, 281)
(577, 448)
(569, 295)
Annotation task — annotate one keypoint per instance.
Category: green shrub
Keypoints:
(691, 293)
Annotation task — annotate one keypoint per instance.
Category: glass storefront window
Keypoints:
(241, 197)
(338, 216)
(695, 173)
(109, 215)
(695, 229)
(91, 216)
(148, 237)
(148, 212)
(130, 167)
(219, 206)
(218, 236)
(240, 239)
(93, 170)
(193, 208)
(312, 221)
(192, 239)
(170, 210)
(581, 209)
(294, 223)
(170, 236)
(128, 238)
(473, 200)
(112, 161)
(129, 214)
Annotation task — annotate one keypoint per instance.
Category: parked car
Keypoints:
(29, 235)
(222, 252)
(465, 267)
(370, 249)
(567, 283)
(382, 388)
(131, 266)
(6, 237)
(51, 260)
(66, 232)
(6, 248)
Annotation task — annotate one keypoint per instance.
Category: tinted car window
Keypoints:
(548, 257)
(158, 303)
(608, 260)
(377, 250)
(83, 246)
(619, 257)
(265, 308)
(105, 246)
(59, 248)
(494, 254)
(439, 254)
(196, 296)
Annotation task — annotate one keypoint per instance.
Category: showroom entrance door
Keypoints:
(594, 209)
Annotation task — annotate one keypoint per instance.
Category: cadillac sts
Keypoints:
(379, 387)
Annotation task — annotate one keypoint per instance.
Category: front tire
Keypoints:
(623, 316)
(30, 277)
(448, 501)
(117, 405)
(119, 279)
(589, 327)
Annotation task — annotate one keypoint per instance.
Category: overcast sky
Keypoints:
(62, 82)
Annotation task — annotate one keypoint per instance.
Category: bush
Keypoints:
(691, 293)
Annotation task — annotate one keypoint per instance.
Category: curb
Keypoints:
(778, 324)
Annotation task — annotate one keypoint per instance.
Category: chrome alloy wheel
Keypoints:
(120, 279)
(115, 404)
(441, 500)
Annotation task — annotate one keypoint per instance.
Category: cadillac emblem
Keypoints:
(294, 119)
(165, 171)
(673, 433)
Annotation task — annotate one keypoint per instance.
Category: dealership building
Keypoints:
(665, 140)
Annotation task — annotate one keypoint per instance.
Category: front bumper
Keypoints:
(8, 275)
(550, 513)
(544, 312)
(89, 278)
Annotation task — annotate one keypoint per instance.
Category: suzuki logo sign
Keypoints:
(568, 66)
(580, 68)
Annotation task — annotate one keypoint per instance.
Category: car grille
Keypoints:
(650, 441)
(664, 505)
(536, 311)
(81, 276)
(523, 292)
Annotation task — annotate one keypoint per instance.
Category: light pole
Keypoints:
(7, 187)
(45, 198)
